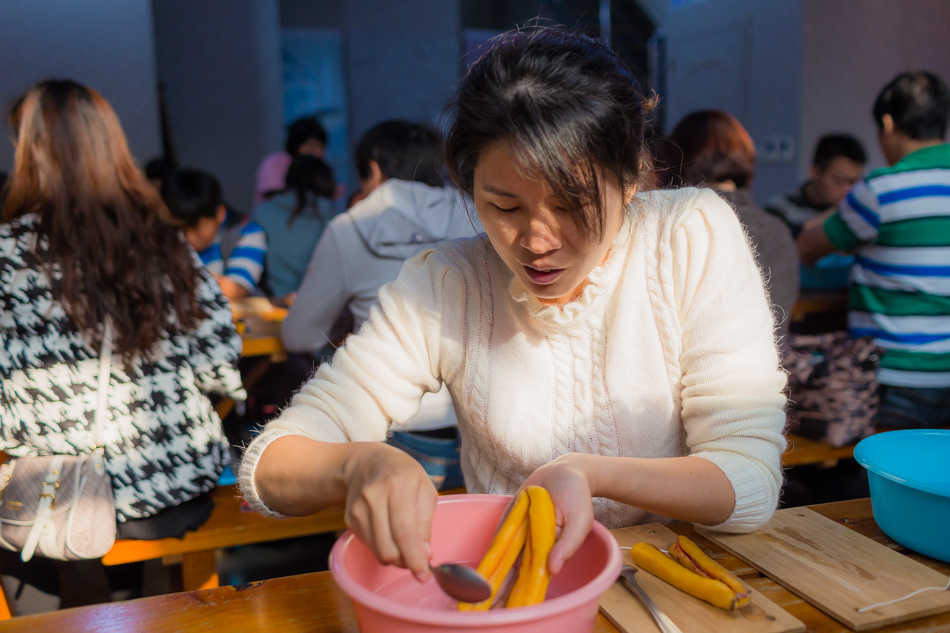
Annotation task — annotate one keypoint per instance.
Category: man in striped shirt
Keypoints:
(236, 257)
(231, 248)
(897, 223)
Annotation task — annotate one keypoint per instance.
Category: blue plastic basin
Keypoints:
(909, 478)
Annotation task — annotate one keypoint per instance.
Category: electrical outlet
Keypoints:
(786, 148)
(778, 148)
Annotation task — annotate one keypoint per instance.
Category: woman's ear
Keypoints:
(628, 194)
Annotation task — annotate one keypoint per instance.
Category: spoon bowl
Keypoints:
(461, 582)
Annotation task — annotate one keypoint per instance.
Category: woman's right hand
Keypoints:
(389, 506)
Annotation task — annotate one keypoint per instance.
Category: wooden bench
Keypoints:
(229, 525)
(819, 302)
(802, 451)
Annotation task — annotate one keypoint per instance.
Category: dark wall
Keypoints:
(106, 44)
(311, 14)
(219, 61)
(502, 15)
(404, 59)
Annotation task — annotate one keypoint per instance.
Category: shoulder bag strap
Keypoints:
(105, 371)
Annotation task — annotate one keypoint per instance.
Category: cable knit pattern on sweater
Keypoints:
(667, 352)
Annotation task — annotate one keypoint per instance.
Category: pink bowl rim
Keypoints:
(584, 594)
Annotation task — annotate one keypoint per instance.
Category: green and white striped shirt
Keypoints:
(897, 222)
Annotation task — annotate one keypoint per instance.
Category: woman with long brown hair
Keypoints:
(86, 240)
(711, 148)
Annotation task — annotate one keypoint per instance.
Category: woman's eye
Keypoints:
(505, 209)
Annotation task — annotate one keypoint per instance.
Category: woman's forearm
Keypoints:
(684, 488)
(298, 476)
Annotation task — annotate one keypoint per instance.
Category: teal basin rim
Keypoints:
(864, 447)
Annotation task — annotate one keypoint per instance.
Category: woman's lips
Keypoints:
(543, 276)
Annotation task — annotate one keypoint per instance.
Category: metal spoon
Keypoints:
(461, 582)
(662, 620)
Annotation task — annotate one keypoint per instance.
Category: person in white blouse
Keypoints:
(612, 345)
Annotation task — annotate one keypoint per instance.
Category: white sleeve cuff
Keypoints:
(755, 488)
(252, 456)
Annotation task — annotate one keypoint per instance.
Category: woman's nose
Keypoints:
(540, 235)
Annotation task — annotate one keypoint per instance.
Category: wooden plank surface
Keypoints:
(691, 614)
(838, 570)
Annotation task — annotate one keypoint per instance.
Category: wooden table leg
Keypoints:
(199, 571)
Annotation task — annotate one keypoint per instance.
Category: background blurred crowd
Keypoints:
(89, 236)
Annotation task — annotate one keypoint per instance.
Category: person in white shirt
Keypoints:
(613, 346)
(405, 208)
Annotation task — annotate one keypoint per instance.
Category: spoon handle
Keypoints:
(662, 620)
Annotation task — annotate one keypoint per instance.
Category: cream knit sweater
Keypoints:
(668, 352)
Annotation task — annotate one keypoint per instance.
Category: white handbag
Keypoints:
(62, 506)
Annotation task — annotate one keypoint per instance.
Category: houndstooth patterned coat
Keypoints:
(164, 442)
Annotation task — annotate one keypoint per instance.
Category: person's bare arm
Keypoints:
(230, 288)
(389, 497)
(813, 242)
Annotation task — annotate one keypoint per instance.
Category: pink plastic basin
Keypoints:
(388, 599)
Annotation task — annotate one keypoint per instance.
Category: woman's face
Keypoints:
(532, 231)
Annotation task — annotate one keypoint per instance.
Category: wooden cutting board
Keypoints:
(692, 615)
(837, 569)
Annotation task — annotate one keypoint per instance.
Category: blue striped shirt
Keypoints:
(245, 264)
(897, 221)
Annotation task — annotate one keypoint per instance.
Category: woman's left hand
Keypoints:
(567, 481)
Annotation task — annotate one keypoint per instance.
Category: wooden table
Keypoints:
(258, 322)
(312, 602)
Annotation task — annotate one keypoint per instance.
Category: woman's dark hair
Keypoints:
(191, 195)
(403, 150)
(568, 105)
(301, 131)
(919, 103)
(113, 250)
(308, 176)
(706, 147)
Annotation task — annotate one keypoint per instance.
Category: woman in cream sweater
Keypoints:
(605, 344)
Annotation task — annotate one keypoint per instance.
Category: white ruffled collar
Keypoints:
(601, 280)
